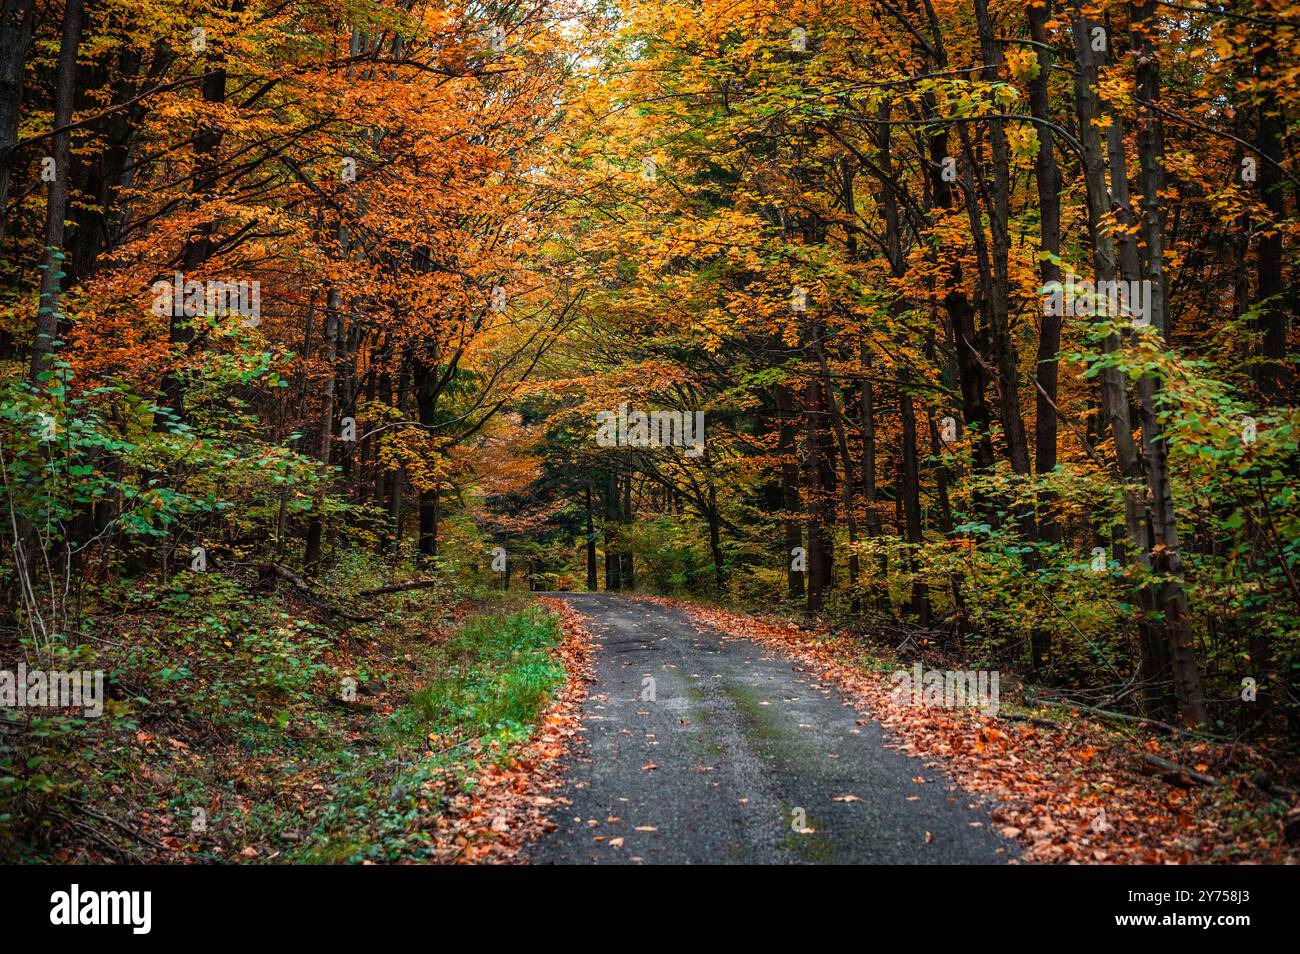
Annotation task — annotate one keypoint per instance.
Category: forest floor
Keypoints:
(586, 727)
(412, 738)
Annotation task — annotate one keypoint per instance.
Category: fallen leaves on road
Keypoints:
(1048, 784)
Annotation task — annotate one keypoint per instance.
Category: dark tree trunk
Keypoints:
(910, 481)
(715, 550)
(1166, 556)
(56, 208)
(397, 482)
(971, 375)
(820, 477)
(1005, 357)
(1154, 659)
(626, 569)
(198, 246)
(789, 492)
(1048, 178)
(325, 435)
(1273, 371)
(869, 447)
(16, 19)
(842, 443)
(426, 397)
(612, 563)
(593, 583)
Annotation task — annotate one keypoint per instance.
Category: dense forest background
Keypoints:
(309, 310)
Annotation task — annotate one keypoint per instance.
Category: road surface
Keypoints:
(705, 749)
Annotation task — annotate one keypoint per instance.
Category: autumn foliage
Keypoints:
(988, 307)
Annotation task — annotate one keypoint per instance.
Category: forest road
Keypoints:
(707, 749)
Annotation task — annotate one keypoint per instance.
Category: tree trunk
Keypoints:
(1272, 370)
(325, 434)
(1005, 358)
(426, 398)
(869, 447)
(1166, 559)
(56, 208)
(842, 442)
(16, 19)
(1154, 660)
(789, 493)
(612, 563)
(715, 550)
(593, 583)
(910, 480)
(627, 571)
(1048, 178)
(198, 245)
(820, 483)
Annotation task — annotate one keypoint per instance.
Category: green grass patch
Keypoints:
(490, 682)
(500, 672)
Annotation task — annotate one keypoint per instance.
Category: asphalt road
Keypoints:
(730, 755)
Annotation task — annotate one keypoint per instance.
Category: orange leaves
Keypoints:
(988, 737)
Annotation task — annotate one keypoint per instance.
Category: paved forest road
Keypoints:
(740, 741)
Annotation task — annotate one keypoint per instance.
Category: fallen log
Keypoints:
(1175, 774)
(120, 826)
(1125, 717)
(400, 587)
(286, 574)
(1263, 780)
(310, 594)
(1291, 826)
(1033, 720)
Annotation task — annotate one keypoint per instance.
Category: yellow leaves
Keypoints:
(417, 452)
(1116, 89)
(1022, 63)
(1022, 139)
(1005, 94)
